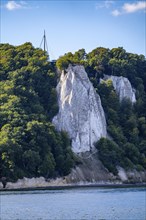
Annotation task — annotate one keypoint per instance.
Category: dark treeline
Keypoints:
(29, 144)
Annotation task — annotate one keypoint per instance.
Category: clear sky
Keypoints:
(72, 24)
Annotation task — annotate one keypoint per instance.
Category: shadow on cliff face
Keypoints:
(90, 169)
(4, 182)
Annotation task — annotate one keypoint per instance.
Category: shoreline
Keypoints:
(75, 186)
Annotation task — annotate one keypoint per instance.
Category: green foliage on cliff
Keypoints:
(126, 122)
(29, 144)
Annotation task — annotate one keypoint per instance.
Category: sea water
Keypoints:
(74, 204)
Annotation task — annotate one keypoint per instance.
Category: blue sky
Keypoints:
(72, 25)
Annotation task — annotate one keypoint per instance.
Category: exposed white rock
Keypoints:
(122, 174)
(123, 87)
(34, 182)
(80, 110)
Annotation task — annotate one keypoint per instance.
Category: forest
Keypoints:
(29, 144)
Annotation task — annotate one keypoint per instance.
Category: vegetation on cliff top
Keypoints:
(30, 145)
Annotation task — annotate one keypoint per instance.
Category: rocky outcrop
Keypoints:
(131, 176)
(34, 183)
(91, 170)
(123, 87)
(80, 111)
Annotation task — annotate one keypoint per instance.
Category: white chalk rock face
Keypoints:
(80, 111)
(123, 87)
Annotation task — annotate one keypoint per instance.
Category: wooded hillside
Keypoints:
(29, 144)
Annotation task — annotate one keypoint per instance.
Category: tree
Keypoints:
(109, 153)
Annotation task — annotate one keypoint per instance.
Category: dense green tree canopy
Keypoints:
(30, 145)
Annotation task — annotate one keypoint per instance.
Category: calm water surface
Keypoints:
(74, 204)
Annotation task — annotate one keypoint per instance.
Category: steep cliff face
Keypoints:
(123, 87)
(80, 110)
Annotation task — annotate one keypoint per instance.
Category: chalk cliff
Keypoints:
(123, 87)
(80, 111)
